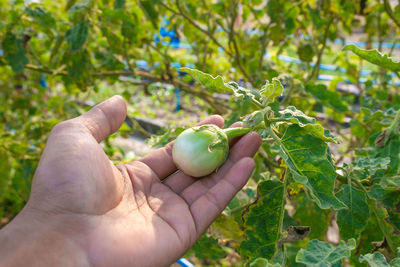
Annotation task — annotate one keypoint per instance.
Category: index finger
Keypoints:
(160, 160)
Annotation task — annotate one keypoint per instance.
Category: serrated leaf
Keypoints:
(263, 221)
(271, 90)
(215, 83)
(374, 260)
(371, 164)
(375, 57)
(352, 220)
(77, 35)
(327, 97)
(324, 254)
(262, 262)
(207, 247)
(308, 161)
(14, 52)
(295, 116)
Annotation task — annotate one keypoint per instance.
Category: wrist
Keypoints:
(25, 241)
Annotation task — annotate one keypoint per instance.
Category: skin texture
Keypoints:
(84, 211)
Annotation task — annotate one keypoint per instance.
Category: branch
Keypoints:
(219, 106)
(182, 14)
(315, 70)
(232, 40)
(390, 12)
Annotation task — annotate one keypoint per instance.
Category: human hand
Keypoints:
(85, 211)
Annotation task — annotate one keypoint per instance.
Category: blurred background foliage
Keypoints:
(59, 58)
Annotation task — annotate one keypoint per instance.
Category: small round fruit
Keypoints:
(198, 151)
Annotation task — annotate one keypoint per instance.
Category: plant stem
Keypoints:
(236, 132)
(315, 70)
(390, 12)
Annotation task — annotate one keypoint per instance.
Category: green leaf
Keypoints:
(77, 35)
(254, 118)
(148, 6)
(324, 254)
(207, 247)
(213, 83)
(390, 182)
(79, 10)
(392, 150)
(308, 159)
(119, 4)
(306, 52)
(271, 90)
(262, 262)
(78, 68)
(375, 57)
(327, 97)
(309, 124)
(14, 52)
(263, 221)
(374, 260)
(371, 164)
(352, 220)
(41, 16)
(306, 212)
(382, 217)
(128, 30)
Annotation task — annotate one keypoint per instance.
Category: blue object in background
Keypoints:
(43, 81)
(178, 99)
(184, 263)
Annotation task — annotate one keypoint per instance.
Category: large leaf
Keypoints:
(387, 229)
(263, 221)
(14, 52)
(295, 116)
(208, 248)
(307, 211)
(308, 159)
(378, 260)
(77, 35)
(324, 254)
(375, 57)
(352, 220)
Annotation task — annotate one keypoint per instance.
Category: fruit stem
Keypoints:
(235, 132)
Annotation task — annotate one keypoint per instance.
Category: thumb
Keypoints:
(105, 118)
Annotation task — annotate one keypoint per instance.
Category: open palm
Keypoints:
(144, 213)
